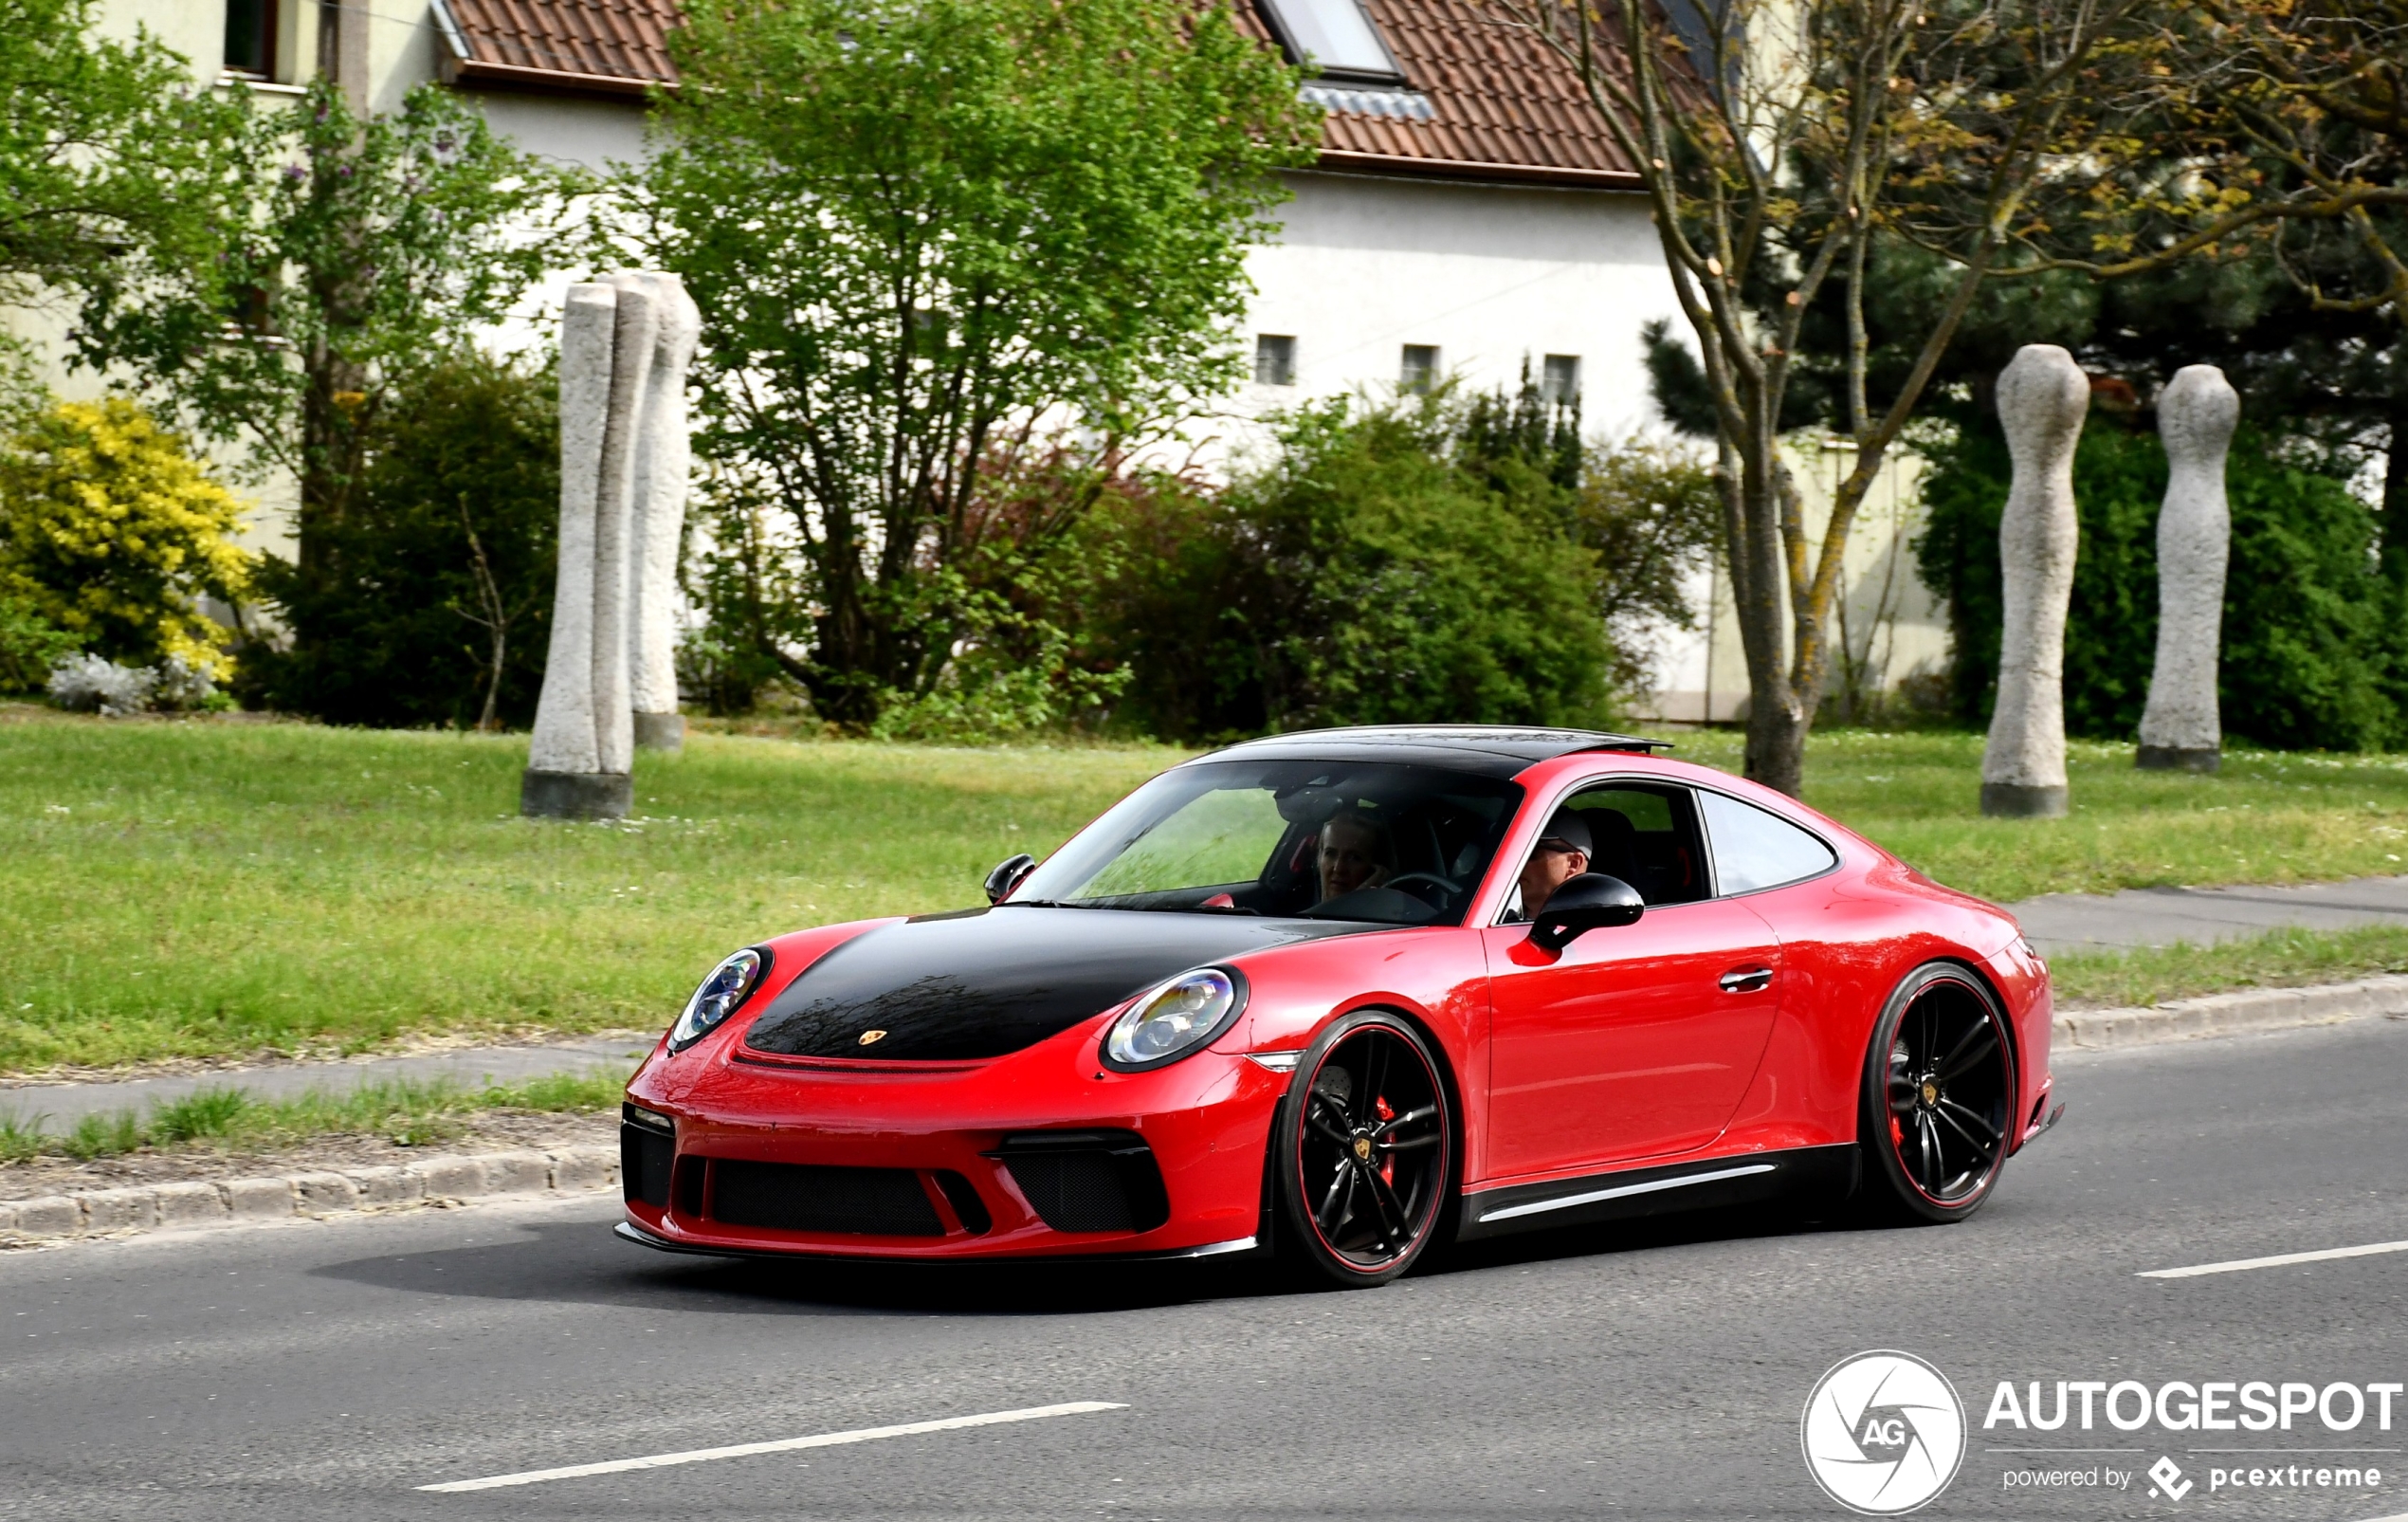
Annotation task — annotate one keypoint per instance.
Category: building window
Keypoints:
(1335, 35)
(1420, 370)
(1274, 360)
(251, 38)
(1560, 384)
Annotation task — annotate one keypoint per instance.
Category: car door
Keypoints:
(1637, 1041)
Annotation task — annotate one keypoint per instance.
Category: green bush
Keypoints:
(2305, 663)
(29, 646)
(451, 530)
(1374, 571)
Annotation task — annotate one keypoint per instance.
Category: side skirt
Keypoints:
(1706, 1184)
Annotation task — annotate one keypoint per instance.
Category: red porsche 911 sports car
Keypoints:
(1346, 994)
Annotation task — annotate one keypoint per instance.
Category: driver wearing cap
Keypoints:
(1562, 854)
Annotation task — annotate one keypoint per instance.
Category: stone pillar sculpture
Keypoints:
(577, 761)
(2042, 397)
(2180, 729)
(664, 458)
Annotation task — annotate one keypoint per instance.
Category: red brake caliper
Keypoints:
(1388, 1163)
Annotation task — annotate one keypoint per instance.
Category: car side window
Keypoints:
(1646, 835)
(1755, 848)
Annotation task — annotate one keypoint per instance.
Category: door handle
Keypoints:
(1746, 980)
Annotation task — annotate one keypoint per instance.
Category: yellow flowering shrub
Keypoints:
(111, 530)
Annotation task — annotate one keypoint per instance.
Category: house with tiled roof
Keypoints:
(1468, 213)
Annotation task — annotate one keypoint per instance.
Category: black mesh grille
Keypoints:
(686, 1186)
(644, 1156)
(1087, 1181)
(788, 1197)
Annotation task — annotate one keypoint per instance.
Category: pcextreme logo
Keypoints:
(1883, 1433)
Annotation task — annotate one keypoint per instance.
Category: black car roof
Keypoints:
(1492, 750)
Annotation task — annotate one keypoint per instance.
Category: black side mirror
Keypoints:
(1592, 900)
(1007, 876)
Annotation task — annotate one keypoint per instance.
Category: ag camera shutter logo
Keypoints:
(1883, 1433)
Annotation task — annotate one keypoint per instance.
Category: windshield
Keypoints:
(1344, 840)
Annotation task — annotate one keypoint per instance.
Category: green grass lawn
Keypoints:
(192, 889)
(213, 888)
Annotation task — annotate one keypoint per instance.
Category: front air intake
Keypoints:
(1087, 1180)
(645, 1151)
(844, 1202)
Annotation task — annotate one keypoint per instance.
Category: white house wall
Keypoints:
(1490, 275)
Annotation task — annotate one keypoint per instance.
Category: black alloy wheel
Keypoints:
(1940, 1097)
(1365, 1146)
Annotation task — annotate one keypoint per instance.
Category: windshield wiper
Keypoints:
(1040, 904)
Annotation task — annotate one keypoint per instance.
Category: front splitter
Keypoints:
(629, 1231)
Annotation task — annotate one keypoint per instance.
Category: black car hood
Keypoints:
(979, 985)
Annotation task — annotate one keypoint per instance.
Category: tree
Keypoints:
(927, 232)
(100, 144)
(447, 555)
(353, 255)
(2277, 140)
(1778, 145)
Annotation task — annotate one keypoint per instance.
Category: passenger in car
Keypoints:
(1356, 852)
(1562, 854)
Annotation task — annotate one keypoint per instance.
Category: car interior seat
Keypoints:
(1617, 852)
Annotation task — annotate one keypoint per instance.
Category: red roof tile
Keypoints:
(1500, 106)
(1481, 101)
(613, 47)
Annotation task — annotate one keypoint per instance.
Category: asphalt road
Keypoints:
(326, 1371)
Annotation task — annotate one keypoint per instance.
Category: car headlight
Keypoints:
(720, 993)
(1183, 1016)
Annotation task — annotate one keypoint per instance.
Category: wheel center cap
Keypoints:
(1362, 1149)
(1930, 1092)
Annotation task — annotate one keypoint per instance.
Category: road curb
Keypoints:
(2240, 1013)
(316, 1194)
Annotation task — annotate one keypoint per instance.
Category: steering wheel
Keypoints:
(1444, 884)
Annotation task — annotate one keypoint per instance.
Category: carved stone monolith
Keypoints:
(565, 776)
(2042, 397)
(664, 458)
(2180, 729)
(577, 761)
(632, 336)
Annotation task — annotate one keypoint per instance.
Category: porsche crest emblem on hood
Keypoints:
(959, 987)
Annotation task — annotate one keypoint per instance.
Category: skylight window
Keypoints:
(1335, 34)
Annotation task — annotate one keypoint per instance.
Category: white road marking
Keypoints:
(2239, 1264)
(824, 1439)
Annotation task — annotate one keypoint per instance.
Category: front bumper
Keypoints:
(1039, 1154)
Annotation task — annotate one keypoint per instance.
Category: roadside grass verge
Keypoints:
(2269, 817)
(2281, 959)
(230, 1119)
(223, 888)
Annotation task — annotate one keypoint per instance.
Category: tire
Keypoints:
(1365, 1147)
(1938, 1098)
